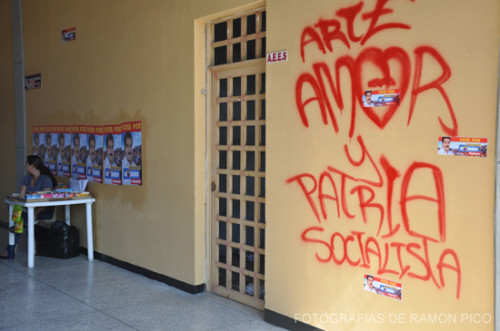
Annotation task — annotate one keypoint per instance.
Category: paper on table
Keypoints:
(78, 185)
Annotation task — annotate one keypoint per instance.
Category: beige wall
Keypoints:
(7, 125)
(131, 60)
(466, 37)
(145, 61)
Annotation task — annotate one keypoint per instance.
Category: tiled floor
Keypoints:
(75, 294)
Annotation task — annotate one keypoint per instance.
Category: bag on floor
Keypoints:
(18, 219)
(61, 240)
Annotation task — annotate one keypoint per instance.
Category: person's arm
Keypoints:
(22, 191)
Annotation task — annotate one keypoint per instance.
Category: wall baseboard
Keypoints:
(193, 289)
(287, 322)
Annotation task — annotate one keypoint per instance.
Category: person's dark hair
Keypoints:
(369, 276)
(91, 137)
(36, 137)
(442, 139)
(76, 136)
(127, 135)
(108, 138)
(47, 137)
(61, 136)
(366, 92)
(36, 161)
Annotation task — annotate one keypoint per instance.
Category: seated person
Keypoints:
(39, 178)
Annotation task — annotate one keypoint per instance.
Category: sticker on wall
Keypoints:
(32, 82)
(463, 146)
(280, 56)
(381, 98)
(382, 286)
(68, 35)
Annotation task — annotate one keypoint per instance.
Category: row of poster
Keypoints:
(109, 154)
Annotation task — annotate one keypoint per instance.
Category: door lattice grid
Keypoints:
(239, 38)
(238, 200)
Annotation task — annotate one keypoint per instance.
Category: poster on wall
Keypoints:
(63, 150)
(94, 158)
(36, 140)
(68, 35)
(78, 140)
(112, 154)
(381, 98)
(463, 146)
(66, 164)
(382, 286)
(132, 153)
(51, 160)
(75, 150)
(32, 82)
(43, 130)
(45, 144)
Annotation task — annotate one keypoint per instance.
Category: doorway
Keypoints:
(238, 158)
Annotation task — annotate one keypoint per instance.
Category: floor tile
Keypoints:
(41, 305)
(197, 315)
(235, 305)
(251, 326)
(75, 294)
(88, 321)
(125, 292)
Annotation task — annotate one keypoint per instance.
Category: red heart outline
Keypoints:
(381, 58)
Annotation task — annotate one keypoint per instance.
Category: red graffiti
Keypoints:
(331, 30)
(386, 200)
(381, 59)
(322, 83)
(435, 84)
(321, 191)
(339, 248)
(439, 200)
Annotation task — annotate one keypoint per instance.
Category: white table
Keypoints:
(31, 222)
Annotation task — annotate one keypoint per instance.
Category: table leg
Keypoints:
(90, 240)
(67, 215)
(31, 238)
(12, 237)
